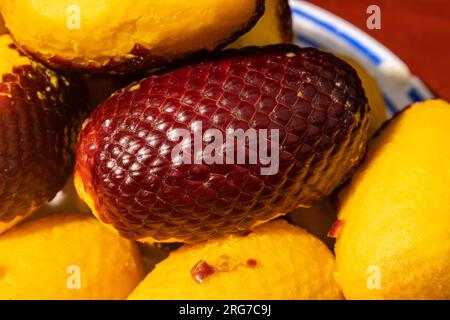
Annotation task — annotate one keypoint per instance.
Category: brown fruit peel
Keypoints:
(40, 115)
(346, 136)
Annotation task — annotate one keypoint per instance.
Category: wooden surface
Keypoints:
(418, 31)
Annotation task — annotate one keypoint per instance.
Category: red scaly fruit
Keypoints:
(40, 116)
(125, 171)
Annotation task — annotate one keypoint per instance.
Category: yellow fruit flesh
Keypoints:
(43, 258)
(111, 28)
(290, 264)
(9, 57)
(395, 242)
(268, 30)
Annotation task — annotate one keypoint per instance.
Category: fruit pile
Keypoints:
(203, 143)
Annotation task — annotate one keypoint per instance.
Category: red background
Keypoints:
(418, 31)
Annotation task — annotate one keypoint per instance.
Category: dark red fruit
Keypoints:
(314, 99)
(40, 116)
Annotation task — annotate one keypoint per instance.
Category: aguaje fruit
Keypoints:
(143, 167)
(394, 241)
(276, 261)
(122, 36)
(40, 115)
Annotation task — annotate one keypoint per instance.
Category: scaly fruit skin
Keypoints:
(285, 263)
(117, 38)
(379, 114)
(124, 169)
(274, 27)
(395, 240)
(40, 116)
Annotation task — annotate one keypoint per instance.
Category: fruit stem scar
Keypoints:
(201, 271)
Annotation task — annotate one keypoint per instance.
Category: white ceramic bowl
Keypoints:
(316, 27)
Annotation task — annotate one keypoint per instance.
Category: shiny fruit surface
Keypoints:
(117, 36)
(127, 173)
(40, 115)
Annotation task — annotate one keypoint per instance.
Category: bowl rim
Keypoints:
(317, 27)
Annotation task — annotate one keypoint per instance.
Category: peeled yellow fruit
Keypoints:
(276, 261)
(379, 113)
(67, 256)
(274, 27)
(121, 36)
(395, 216)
